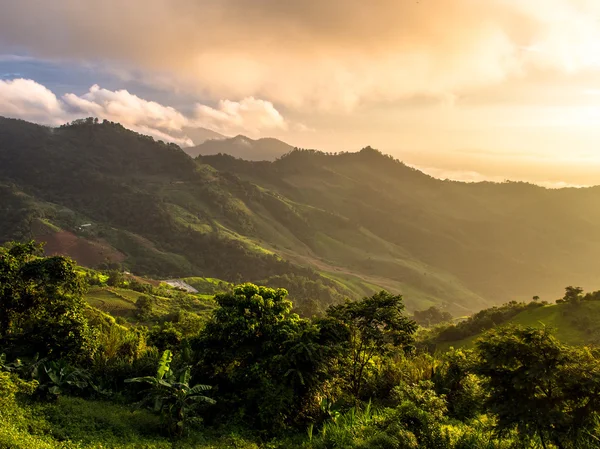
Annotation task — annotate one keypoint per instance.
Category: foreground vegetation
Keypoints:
(247, 372)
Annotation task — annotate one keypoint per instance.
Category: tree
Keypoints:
(454, 379)
(165, 337)
(115, 278)
(431, 316)
(573, 295)
(41, 305)
(143, 307)
(265, 361)
(377, 325)
(536, 298)
(540, 386)
(172, 397)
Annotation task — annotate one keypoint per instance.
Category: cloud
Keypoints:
(230, 117)
(333, 55)
(126, 108)
(29, 100)
(474, 176)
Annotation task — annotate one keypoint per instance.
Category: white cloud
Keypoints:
(31, 101)
(148, 117)
(232, 117)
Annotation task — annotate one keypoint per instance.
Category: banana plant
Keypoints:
(172, 397)
(58, 377)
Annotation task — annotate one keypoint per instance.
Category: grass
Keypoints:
(107, 300)
(75, 423)
(208, 286)
(120, 302)
(574, 324)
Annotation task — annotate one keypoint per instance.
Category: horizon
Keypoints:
(464, 176)
(504, 90)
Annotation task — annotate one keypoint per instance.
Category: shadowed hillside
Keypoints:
(339, 225)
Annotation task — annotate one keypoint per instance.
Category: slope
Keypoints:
(572, 324)
(499, 241)
(148, 200)
(350, 223)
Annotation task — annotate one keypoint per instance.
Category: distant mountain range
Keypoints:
(345, 225)
(266, 149)
(201, 135)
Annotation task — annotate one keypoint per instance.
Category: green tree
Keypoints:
(377, 326)
(115, 278)
(265, 361)
(172, 396)
(165, 337)
(454, 378)
(573, 295)
(431, 316)
(41, 305)
(540, 386)
(143, 307)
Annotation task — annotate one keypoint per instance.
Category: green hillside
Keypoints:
(324, 226)
(499, 242)
(573, 324)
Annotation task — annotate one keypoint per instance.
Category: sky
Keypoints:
(464, 89)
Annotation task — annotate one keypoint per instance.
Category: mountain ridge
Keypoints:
(266, 148)
(356, 222)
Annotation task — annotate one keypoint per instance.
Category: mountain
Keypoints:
(327, 225)
(498, 241)
(201, 135)
(266, 149)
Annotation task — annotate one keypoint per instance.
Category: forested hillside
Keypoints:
(340, 225)
(500, 241)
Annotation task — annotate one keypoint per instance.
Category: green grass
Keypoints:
(110, 301)
(120, 302)
(572, 324)
(207, 287)
(75, 423)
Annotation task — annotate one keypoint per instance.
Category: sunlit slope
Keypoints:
(572, 324)
(502, 242)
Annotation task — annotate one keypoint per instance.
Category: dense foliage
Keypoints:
(255, 374)
(41, 306)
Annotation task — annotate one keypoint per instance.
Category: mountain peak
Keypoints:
(242, 147)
